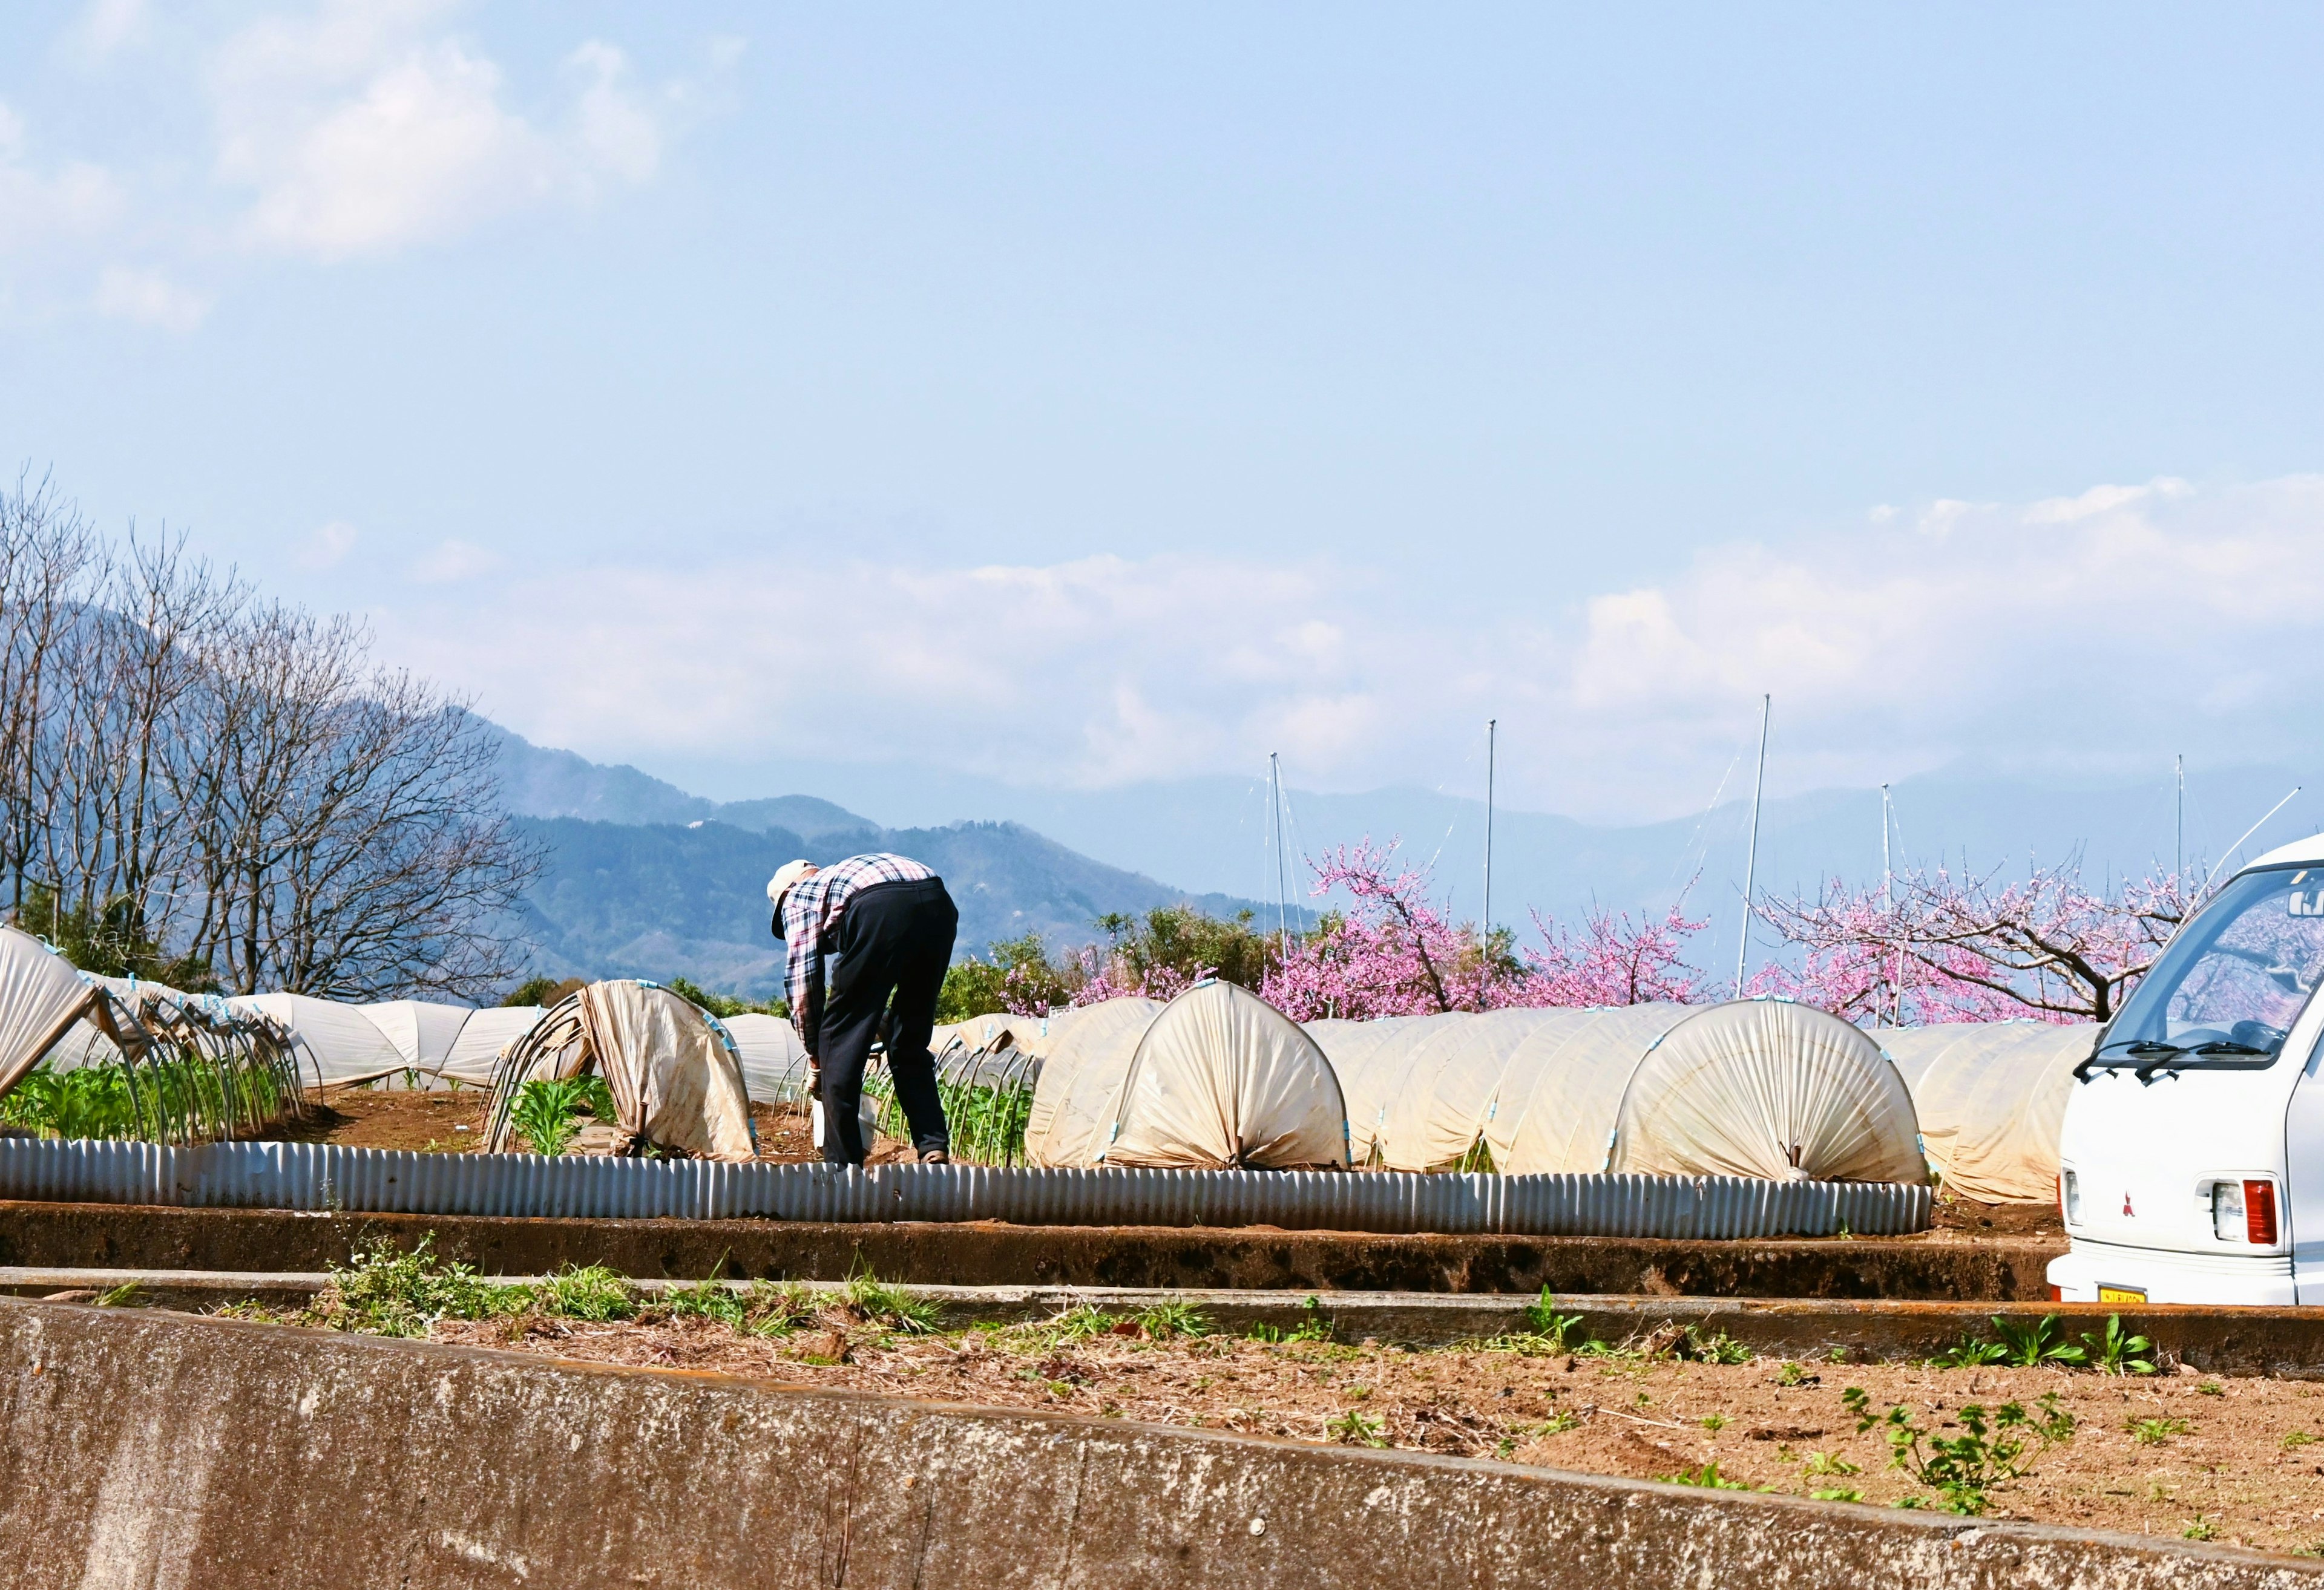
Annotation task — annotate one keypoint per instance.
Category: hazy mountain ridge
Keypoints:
(1054, 859)
(662, 900)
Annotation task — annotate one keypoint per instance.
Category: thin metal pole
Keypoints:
(1751, 856)
(1888, 904)
(2179, 848)
(1282, 887)
(1492, 726)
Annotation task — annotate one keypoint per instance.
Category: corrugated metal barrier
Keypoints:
(379, 1180)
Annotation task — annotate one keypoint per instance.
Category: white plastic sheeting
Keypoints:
(676, 1075)
(1089, 1052)
(1222, 1080)
(422, 1030)
(1758, 1088)
(41, 997)
(1217, 1078)
(483, 1033)
(774, 1062)
(1356, 1050)
(336, 1044)
(1991, 1096)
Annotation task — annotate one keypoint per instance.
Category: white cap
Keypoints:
(788, 874)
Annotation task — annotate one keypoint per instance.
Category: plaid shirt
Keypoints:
(811, 909)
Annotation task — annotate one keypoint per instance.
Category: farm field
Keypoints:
(437, 1122)
(2171, 1454)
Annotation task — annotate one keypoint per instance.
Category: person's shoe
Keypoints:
(935, 1156)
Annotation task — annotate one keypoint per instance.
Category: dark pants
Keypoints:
(893, 943)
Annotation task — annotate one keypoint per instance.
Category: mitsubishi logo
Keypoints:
(2127, 1209)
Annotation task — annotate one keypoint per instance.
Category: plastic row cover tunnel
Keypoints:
(1755, 1088)
(1217, 1078)
(1992, 1097)
(674, 1073)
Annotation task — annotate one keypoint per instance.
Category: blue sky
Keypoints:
(1081, 397)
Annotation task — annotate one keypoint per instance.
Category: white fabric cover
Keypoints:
(774, 1062)
(1755, 1088)
(1025, 1033)
(674, 1078)
(1085, 1054)
(1436, 1104)
(422, 1030)
(336, 1044)
(1367, 1056)
(482, 1037)
(1991, 1098)
(40, 993)
(1221, 1078)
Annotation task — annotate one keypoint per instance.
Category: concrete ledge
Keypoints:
(148, 1447)
(79, 1235)
(2284, 1342)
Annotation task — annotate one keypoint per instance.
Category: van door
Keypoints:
(2303, 1180)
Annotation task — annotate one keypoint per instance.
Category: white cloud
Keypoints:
(108, 25)
(149, 299)
(361, 128)
(451, 562)
(2146, 620)
(328, 545)
(64, 200)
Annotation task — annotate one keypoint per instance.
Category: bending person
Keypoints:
(886, 925)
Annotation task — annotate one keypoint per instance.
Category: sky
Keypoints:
(1079, 397)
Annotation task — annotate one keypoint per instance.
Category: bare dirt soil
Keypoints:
(2173, 1455)
(1971, 1218)
(452, 1122)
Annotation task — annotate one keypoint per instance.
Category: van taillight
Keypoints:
(2259, 1213)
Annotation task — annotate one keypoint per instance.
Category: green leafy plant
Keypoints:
(778, 1307)
(1542, 1319)
(1837, 1494)
(1792, 1374)
(1709, 1478)
(1356, 1428)
(1315, 1326)
(1969, 1353)
(890, 1307)
(591, 1292)
(2200, 1529)
(1992, 1449)
(2154, 1432)
(1713, 1422)
(1173, 1319)
(708, 1300)
(2298, 1437)
(1715, 1346)
(2115, 1351)
(2210, 1388)
(1824, 1463)
(545, 1108)
(387, 1291)
(2032, 1345)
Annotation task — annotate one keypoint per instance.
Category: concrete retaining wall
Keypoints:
(79, 1236)
(149, 1451)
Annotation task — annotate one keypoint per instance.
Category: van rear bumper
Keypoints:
(2170, 1277)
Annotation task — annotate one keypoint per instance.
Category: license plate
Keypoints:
(2122, 1294)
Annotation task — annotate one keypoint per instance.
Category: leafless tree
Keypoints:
(229, 789)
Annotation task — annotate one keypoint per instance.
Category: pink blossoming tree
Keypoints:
(1940, 948)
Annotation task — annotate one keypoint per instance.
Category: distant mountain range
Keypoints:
(645, 880)
(632, 888)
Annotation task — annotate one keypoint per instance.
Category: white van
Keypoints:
(2192, 1155)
